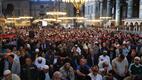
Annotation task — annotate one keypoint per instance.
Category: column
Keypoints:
(117, 14)
(0, 7)
(130, 9)
(140, 9)
(95, 9)
(108, 8)
(101, 8)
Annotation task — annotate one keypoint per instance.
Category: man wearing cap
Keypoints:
(8, 75)
(135, 68)
(40, 62)
(46, 71)
(104, 57)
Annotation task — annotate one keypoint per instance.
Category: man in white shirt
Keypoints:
(120, 66)
(94, 75)
(104, 58)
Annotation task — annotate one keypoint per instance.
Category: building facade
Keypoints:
(20, 7)
(117, 9)
(33, 8)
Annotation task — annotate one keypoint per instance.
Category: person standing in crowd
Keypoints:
(125, 48)
(83, 70)
(46, 71)
(120, 66)
(135, 68)
(29, 70)
(104, 57)
(94, 75)
(12, 65)
(67, 72)
(8, 75)
(40, 62)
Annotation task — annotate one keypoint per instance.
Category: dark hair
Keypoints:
(12, 56)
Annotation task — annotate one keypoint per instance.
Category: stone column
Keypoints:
(140, 9)
(108, 8)
(101, 8)
(95, 9)
(117, 13)
(0, 7)
(130, 9)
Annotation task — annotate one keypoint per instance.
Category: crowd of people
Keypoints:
(70, 54)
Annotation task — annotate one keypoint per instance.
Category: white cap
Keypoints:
(37, 50)
(28, 45)
(124, 42)
(96, 42)
(6, 72)
(117, 45)
(138, 58)
(46, 67)
(85, 46)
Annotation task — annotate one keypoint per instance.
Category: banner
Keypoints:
(7, 35)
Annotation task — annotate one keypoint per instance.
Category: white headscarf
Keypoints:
(40, 65)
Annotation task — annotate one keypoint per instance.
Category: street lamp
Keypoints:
(77, 4)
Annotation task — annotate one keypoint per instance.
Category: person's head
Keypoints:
(28, 61)
(67, 65)
(137, 60)
(121, 57)
(7, 75)
(18, 53)
(37, 50)
(39, 61)
(104, 44)
(45, 68)
(83, 61)
(14, 49)
(10, 58)
(95, 69)
(104, 53)
(110, 74)
(57, 75)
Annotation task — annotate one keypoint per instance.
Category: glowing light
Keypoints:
(56, 13)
